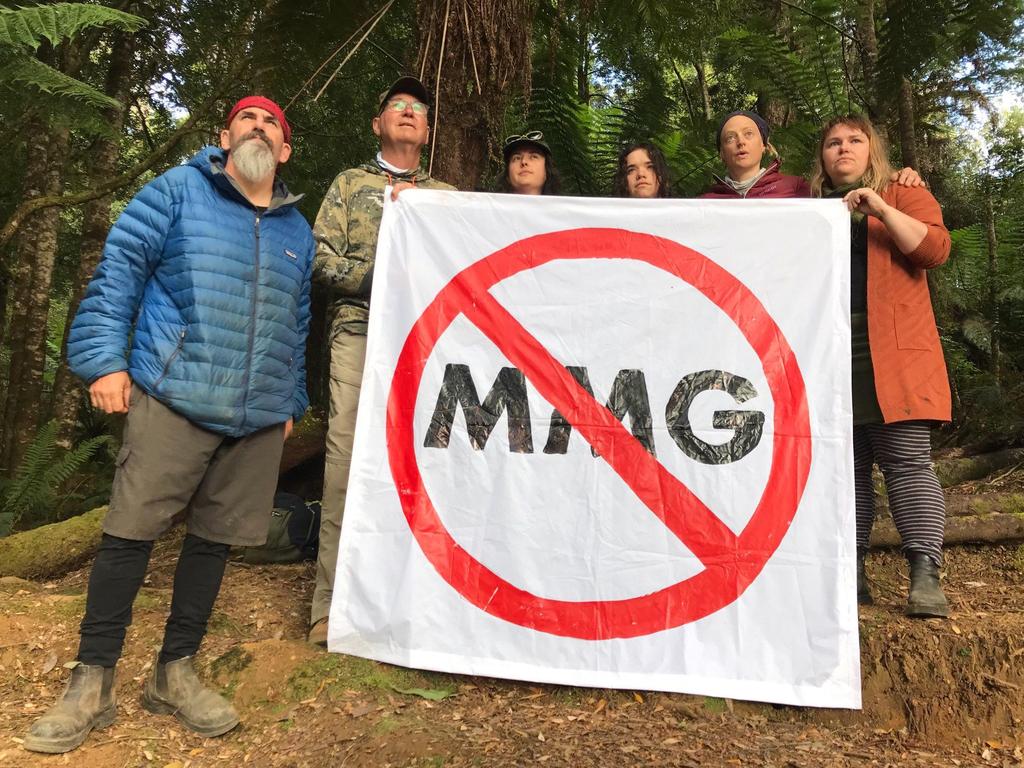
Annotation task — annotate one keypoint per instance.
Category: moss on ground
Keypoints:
(715, 704)
(51, 550)
(336, 672)
(73, 605)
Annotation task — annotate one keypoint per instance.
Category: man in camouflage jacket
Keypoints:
(346, 243)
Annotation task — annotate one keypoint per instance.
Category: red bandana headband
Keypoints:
(262, 102)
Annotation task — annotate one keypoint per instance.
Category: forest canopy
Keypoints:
(101, 98)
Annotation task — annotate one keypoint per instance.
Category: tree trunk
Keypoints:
(698, 64)
(52, 550)
(475, 57)
(968, 505)
(908, 139)
(67, 393)
(956, 471)
(34, 258)
(770, 107)
(993, 286)
(866, 35)
(971, 529)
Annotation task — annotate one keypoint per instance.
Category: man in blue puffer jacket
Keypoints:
(205, 277)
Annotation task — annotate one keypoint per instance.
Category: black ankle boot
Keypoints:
(926, 598)
(863, 590)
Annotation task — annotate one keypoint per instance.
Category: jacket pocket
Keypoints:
(915, 326)
(171, 358)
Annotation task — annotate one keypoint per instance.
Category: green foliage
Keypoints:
(28, 71)
(34, 491)
(28, 27)
(66, 98)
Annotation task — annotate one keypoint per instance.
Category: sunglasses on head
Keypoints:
(399, 105)
(531, 136)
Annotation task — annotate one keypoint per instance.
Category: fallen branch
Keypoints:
(51, 550)
(964, 505)
(955, 471)
(967, 529)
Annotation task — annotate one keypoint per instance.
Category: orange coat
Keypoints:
(910, 373)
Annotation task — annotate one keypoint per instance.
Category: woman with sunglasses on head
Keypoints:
(529, 167)
(900, 385)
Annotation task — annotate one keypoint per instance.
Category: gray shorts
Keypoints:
(169, 469)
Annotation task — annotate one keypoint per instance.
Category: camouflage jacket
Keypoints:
(346, 239)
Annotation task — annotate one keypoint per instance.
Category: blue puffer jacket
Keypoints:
(218, 295)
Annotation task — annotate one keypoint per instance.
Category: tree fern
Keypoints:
(773, 67)
(29, 71)
(28, 27)
(68, 100)
(37, 482)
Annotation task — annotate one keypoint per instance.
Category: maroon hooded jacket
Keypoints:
(771, 184)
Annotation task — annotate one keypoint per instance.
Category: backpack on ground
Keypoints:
(294, 533)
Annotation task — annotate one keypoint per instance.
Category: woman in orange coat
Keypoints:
(900, 386)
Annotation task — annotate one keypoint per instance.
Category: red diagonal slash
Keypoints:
(669, 499)
(731, 561)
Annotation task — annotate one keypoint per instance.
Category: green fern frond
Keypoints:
(31, 72)
(62, 470)
(28, 27)
(38, 480)
(977, 332)
(1013, 293)
(772, 67)
(968, 241)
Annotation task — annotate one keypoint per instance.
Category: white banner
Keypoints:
(607, 443)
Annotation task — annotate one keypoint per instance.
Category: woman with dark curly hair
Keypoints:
(529, 167)
(900, 385)
(642, 172)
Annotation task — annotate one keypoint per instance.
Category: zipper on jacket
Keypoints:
(174, 354)
(252, 320)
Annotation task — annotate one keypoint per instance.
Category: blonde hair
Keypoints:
(878, 172)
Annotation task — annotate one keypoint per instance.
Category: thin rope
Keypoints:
(352, 53)
(437, 89)
(472, 53)
(328, 60)
(430, 37)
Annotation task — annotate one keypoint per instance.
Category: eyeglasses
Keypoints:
(531, 136)
(400, 105)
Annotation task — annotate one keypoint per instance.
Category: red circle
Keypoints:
(721, 582)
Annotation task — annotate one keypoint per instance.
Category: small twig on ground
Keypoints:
(1010, 471)
(129, 737)
(995, 681)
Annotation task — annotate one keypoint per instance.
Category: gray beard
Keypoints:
(253, 160)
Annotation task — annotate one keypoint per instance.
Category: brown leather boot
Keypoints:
(926, 598)
(88, 702)
(318, 633)
(174, 689)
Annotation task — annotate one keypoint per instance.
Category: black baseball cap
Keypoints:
(407, 84)
(530, 138)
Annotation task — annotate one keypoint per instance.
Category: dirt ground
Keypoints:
(936, 693)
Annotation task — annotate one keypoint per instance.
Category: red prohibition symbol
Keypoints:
(731, 562)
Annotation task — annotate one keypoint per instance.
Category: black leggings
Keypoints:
(114, 582)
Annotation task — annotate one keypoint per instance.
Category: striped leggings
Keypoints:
(902, 451)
